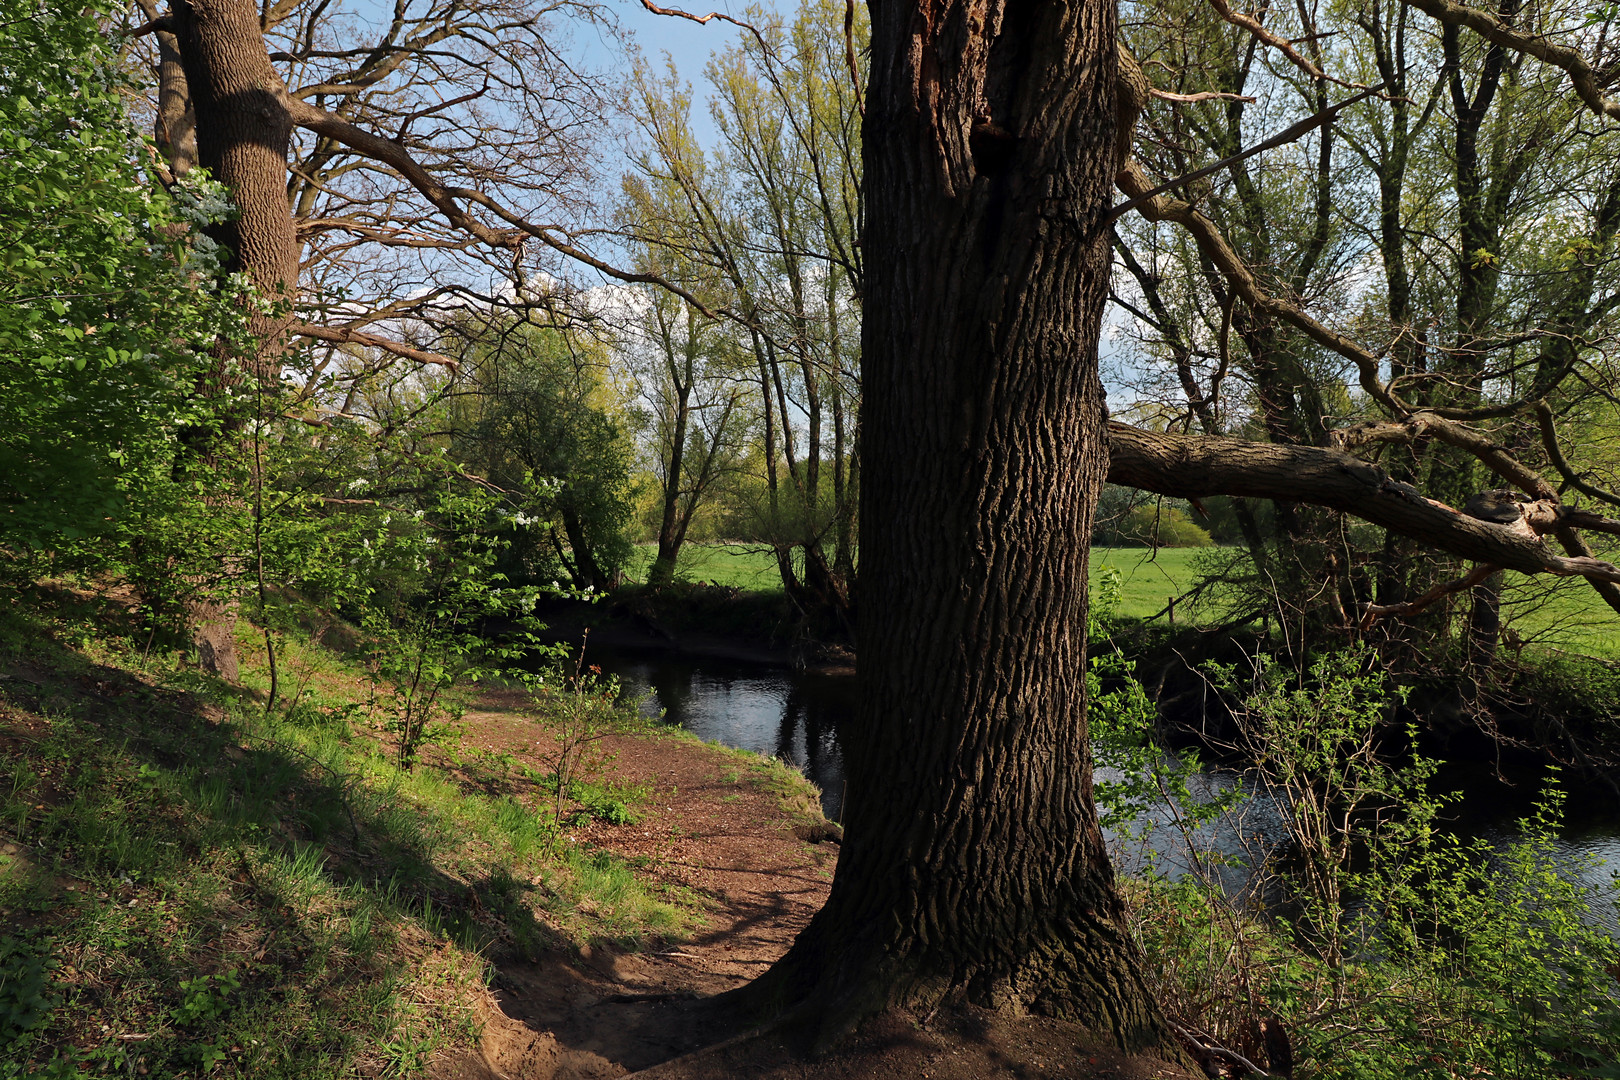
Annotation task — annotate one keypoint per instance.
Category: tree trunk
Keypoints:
(973, 857)
(243, 135)
(671, 529)
(587, 574)
(242, 138)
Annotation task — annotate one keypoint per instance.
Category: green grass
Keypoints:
(1543, 611)
(1565, 614)
(188, 886)
(1150, 578)
(751, 567)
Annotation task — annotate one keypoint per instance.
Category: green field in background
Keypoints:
(1564, 614)
(740, 566)
(1150, 578)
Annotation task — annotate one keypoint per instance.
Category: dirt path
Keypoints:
(606, 1012)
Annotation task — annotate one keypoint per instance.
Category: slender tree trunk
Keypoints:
(671, 528)
(587, 574)
(1484, 622)
(973, 858)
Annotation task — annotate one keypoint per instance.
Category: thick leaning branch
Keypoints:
(1446, 588)
(1199, 466)
(1555, 454)
(1498, 460)
(1214, 246)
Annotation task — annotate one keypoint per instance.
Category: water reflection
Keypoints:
(776, 713)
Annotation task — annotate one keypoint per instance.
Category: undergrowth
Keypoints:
(1314, 918)
(191, 886)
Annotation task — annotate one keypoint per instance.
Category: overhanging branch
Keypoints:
(1199, 466)
(1494, 30)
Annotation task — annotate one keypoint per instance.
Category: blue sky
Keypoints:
(687, 43)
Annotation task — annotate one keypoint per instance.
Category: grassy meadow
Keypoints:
(192, 885)
(751, 567)
(1543, 612)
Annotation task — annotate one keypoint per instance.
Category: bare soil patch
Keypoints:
(610, 1011)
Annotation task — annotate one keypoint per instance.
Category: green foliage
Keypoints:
(264, 893)
(579, 711)
(107, 291)
(25, 999)
(1313, 741)
(205, 997)
(430, 637)
(539, 421)
(1386, 947)
(1125, 518)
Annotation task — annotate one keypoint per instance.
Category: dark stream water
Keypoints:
(769, 711)
(797, 717)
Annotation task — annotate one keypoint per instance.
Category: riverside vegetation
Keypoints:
(1365, 941)
(193, 884)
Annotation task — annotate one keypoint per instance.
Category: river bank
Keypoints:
(192, 883)
(696, 623)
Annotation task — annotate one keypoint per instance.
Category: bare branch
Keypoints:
(1254, 26)
(1202, 95)
(1158, 207)
(1445, 588)
(342, 335)
(1293, 132)
(1199, 466)
(444, 198)
(677, 13)
(849, 54)
(161, 24)
(1494, 30)
(1555, 454)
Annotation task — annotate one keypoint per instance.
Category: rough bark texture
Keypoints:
(972, 855)
(243, 135)
(242, 139)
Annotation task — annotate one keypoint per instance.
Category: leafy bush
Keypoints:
(1369, 939)
(1124, 520)
(108, 298)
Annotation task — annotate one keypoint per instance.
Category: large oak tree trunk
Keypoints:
(243, 137)
(972, 855)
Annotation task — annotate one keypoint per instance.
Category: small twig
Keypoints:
(1209, 1049)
